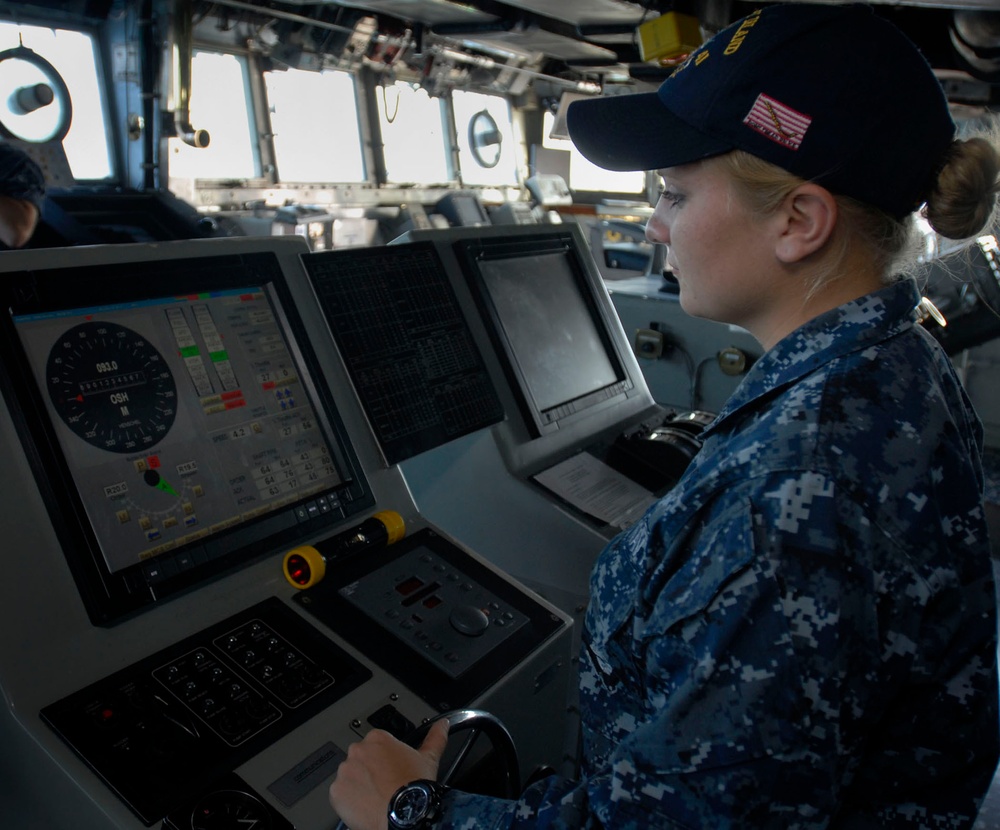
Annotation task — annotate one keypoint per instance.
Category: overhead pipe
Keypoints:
(182, 49)
(278, 14)
(485, 62)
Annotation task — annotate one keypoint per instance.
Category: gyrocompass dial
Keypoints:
(111, 386)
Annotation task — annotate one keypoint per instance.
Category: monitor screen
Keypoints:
(548, 325)
(462, 210)
(183, 429)
(406, 344)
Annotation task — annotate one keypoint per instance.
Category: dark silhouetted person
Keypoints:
(22, 188)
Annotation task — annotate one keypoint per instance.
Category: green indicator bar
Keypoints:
(220, 356)
(189, 351)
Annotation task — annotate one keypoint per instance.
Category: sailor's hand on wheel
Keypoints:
(378, 766)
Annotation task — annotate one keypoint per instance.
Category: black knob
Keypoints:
(469, 620)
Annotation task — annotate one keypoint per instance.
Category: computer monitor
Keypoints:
(174, 412)
(555, 334)
(546, 323)
(407, 346)
(463, 209)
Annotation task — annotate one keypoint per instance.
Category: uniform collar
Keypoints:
(851, 327)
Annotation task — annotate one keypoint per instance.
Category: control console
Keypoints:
(165, 729)
(435, 609)
(443, 623)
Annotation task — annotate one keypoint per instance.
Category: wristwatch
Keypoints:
(416, 805)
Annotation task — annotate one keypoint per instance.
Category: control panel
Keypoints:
(442, 622)
(165, 729)
(436, 609)
(236, 710)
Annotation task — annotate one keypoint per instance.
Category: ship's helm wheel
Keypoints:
(35, 104)
(466, 727)
(471, 724)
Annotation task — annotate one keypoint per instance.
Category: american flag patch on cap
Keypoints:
(778, 122)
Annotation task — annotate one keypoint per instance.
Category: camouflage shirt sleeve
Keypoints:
(802, 634)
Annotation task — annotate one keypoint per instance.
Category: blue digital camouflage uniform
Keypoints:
(802, 634)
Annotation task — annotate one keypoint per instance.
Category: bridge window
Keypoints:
(317, 137)
(584, 175)
(73, 56)
(414, 137)
(485, 158)
(220, 104)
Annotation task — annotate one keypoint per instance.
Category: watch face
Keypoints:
(410, 806)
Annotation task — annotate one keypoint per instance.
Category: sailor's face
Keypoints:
(714, 245)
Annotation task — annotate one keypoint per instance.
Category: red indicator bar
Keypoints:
(408, 586)
(423, 593)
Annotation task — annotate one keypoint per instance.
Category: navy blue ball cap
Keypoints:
(834, 94)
